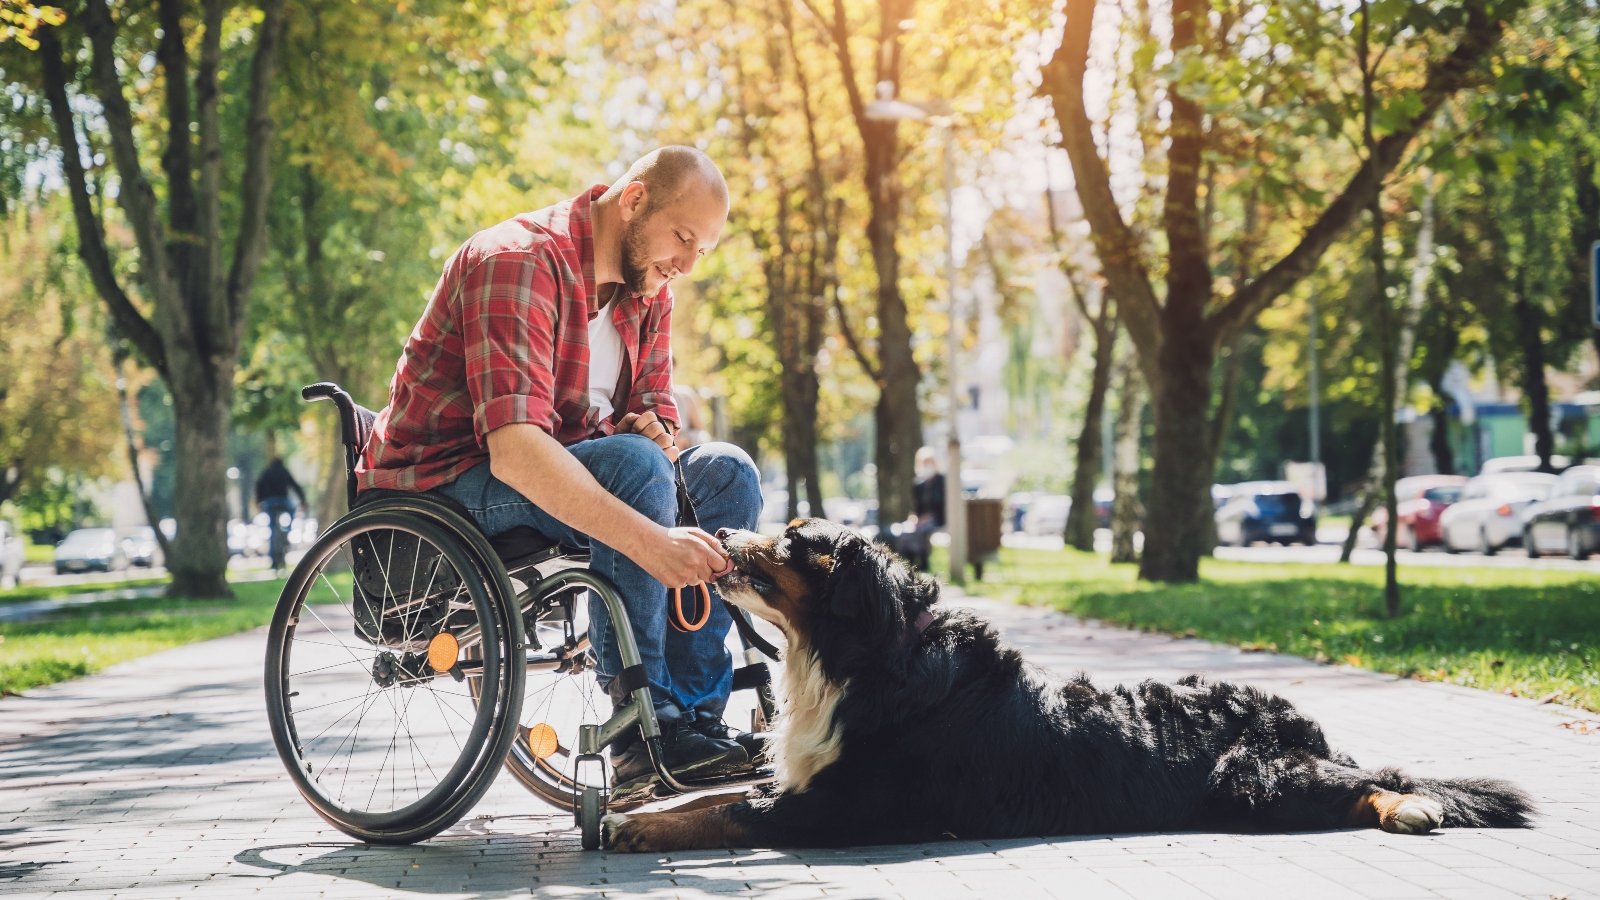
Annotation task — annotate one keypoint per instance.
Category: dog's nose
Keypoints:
(723, 533)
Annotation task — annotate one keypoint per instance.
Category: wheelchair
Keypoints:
(411, 656)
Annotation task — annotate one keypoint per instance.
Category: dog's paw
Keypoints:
(637, 833)
(1414, 814)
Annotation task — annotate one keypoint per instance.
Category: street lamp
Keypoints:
(937, 113)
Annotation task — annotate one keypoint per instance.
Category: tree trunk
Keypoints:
(1221, 422)
(1125, 507)
(1081, 516)
(1180, 487)
(199, 557)
(1392, 370)
(1534, 384)
(1444, 458)
(133, 462)
(898, 418)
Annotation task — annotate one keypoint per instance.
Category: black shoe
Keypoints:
(687, 754)
(756, 744)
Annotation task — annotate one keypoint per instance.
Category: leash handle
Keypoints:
(700, 597)
(699, 594)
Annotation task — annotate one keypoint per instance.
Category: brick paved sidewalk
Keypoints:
(157, 778)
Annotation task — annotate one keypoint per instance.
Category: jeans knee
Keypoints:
(636, 470)
(730, 470)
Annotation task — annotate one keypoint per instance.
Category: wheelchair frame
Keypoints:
(439, 521)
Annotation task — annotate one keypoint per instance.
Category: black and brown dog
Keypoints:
(902, 724)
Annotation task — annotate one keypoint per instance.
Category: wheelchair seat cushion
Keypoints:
(517, 548)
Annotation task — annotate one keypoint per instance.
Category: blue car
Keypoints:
(1270, 511)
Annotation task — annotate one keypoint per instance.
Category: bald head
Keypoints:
(669, 174)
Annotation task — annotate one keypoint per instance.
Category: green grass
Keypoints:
(80, 640)
(45, 592)
(38, 554)
(1530, 633)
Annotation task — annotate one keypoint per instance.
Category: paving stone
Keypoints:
(158, 779)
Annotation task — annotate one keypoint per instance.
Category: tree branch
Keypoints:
(134, 192)
(257, 186)
(1445, 77)
(1189, 267)
(177, 161)
(1115, 244)
(208, 94)
(91, 238)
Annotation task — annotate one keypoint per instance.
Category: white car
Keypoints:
(10, 556)
(1047, 515)
(1488, 516)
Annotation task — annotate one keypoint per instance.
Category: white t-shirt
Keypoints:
(605, 361)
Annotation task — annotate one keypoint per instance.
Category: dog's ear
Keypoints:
(859, 580)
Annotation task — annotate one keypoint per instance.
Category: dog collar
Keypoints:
(918, 626)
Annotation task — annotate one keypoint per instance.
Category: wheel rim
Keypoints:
(557, 701)
(377, 739)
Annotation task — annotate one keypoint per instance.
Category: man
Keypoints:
(914, 540)
(272, 497)
(537, 390)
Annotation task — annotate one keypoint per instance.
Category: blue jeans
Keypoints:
(691, 674)
(280, 512)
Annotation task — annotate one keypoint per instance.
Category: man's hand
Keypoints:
(683, 556)
(656, 429)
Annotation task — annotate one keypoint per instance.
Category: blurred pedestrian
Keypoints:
(272, 497)
(913, 538)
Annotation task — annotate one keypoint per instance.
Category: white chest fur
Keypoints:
(807, 741)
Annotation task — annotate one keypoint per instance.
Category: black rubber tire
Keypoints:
(1528, 545)
(1484, 545)
(479, 608)
(591, 809)
(1576, 548)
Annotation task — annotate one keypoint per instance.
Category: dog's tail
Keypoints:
(1468, 802)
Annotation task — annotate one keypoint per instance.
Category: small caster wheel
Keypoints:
(591, 809)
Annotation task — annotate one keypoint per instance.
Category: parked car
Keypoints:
(1103, 499)
(90, 549)
(1527, 463)
(1488, 516)
(1270, 511)
(141, 548)
(1047, 514)
(11, 554)
(1419, 501)
(1569, 519)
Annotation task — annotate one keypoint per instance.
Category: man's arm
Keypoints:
(533, 463)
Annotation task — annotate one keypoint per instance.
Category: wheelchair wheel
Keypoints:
(560, 695)
(393, 671)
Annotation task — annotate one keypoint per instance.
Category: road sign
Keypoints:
(1594, 283)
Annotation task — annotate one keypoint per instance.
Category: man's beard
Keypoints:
(635, 258)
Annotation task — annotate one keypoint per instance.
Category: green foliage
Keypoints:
(57, 403)
(1531, 633)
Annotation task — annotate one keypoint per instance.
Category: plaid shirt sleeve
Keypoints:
(508, 326)
(652, 390)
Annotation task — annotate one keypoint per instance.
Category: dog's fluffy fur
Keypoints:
(889, 734)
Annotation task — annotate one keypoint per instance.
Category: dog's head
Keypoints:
(828, 588)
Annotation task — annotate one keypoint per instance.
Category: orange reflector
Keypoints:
(443, 651)
(542, 741)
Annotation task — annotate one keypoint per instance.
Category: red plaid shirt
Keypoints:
(504, 339)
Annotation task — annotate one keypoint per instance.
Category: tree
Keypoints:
(351, 221)
(1178, 331)
(56, 400)
(187, 318)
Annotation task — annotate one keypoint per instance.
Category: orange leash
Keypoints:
(700, 596)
